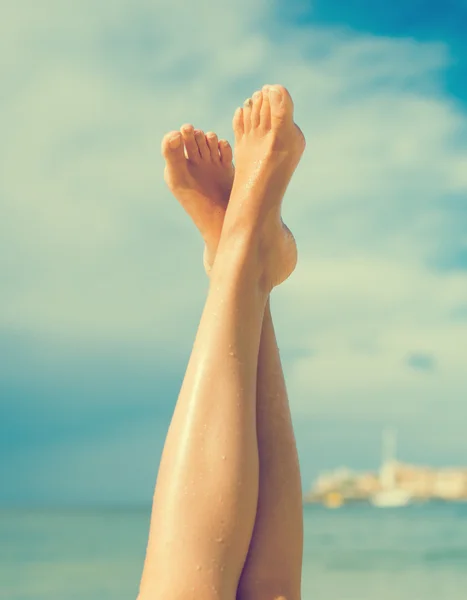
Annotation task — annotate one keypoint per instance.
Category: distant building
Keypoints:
(422, 483)
(450, 484)
(396, 483)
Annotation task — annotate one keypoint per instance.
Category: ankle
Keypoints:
(238, 262)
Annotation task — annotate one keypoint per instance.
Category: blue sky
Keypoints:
(101, 275)
(420, 20)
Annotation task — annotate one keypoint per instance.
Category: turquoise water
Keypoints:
(415, 553)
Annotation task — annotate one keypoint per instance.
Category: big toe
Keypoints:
(172, 147)
(281, 103)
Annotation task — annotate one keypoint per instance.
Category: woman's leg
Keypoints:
(274, 563)
(207, 488)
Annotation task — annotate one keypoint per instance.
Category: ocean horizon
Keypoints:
(355, 552)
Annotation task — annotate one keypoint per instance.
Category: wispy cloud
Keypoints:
(96, 257)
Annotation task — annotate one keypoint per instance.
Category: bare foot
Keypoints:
(200, 173)
(268, 148)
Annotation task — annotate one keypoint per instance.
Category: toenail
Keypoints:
(256, 95)
(275, 95)
(248, 102)
(174, 142)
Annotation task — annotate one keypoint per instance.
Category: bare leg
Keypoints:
(206, 493)
(207, 488)
(274, 564)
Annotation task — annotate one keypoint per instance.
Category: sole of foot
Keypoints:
(268, 148)
(200, 173)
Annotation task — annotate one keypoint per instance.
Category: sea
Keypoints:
(351, 553)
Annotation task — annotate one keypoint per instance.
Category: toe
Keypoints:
(281, 103)
(225, 151)
(237, 123)
(213, 144)
(191, 147)
(265, 113)
(247, 106)
(287, 98)
(172, 147)
(202, 144)
(256, 109)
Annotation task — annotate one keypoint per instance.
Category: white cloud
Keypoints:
(93, 246)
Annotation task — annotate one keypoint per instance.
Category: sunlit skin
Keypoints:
(227, 504)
